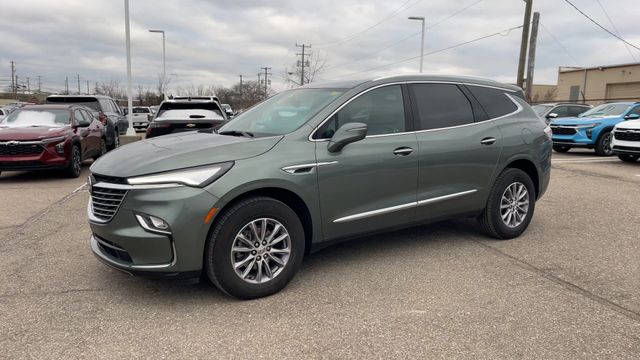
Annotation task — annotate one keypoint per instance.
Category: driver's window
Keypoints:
(381, 109)
(635, 110)
(80, 120)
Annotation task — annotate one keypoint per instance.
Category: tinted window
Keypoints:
(576, 110)
(441, 105)
(88, 116)
(494, 101)
(381, 109)
(636, 110)
(561, 111)
(86, 101)
(140, 110)
(106, 105)
(80, 117)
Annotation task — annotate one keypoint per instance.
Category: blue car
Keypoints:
(592, 129)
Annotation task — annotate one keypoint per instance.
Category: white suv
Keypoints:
(626, 140)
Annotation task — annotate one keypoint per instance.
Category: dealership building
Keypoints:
(596, 85)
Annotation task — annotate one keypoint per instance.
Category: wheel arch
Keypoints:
(529, 168)
(280, 193)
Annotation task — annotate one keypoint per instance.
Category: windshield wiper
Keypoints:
(236, 133)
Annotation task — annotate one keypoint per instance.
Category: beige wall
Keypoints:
(598, 81)
(543, 93)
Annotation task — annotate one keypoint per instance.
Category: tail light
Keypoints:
(102, 117)
(155, 125)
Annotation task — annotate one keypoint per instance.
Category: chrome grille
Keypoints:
(106, 201)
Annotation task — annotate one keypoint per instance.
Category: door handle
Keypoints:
(403, 151)
(488, 141)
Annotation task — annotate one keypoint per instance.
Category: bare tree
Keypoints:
(314, 65)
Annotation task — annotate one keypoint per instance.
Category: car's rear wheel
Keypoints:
(75, 162)
(103, 149)
(255, 248)
(603, 145)
(510, 205)
(629, 158)
(561, 148)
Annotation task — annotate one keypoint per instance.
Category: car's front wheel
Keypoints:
(75, 162)
(603, 145)
(561, 148)
(510, 205)
(254, 248)
(628, 158)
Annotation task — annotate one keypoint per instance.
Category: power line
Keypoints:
(615, 28)
(559, 43)
(439, 50)
(602, 27)
(394, 44)
(356, 34)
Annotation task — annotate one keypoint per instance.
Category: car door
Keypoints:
(122, 118)
(370, 184)
(459, 148)
(95, 131)
(83, 132)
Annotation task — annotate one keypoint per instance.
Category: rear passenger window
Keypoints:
(440, 106)
(494, 101)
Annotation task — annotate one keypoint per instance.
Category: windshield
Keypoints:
(606, 110)
(52, 118)
(283, 113)
(86, 101)
(541, 109)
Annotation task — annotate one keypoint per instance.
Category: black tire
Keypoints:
(628, 158)
(103, 149)
(74, 168)
(561, 148)
(116, 140)
(218, 257)
(603, 145)
(491, 219)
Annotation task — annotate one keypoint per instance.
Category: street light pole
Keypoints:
(421, 18)
(130, 130)
(164, 59)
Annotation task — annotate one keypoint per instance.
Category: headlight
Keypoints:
(197, 176)
(587, 126)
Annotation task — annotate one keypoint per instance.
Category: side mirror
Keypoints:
(346, 134)
(82, 124)
(632, 117)
(552, 116)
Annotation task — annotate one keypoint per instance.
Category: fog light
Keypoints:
(589, 133)
(153, 224)
(60, 148)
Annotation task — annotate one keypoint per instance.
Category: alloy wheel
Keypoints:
(76, 160)
(260, 251)
(514, 204)
(606, 142)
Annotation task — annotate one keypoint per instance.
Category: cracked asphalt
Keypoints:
(568, 288)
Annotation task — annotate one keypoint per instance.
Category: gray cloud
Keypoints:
(211, 42)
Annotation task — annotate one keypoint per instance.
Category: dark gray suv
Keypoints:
(324, 162)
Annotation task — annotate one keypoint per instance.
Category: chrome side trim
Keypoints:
(119, 265)
(292, 169)
(518, 109)
(445, 197)
(403, 206)
(136, 187)
(375, 212)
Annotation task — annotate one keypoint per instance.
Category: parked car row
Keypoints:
(611, 128)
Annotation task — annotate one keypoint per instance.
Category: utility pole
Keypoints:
(66, 85)
(240, 84)
(13, 80)
(79, 91)
(523, 42)
(28, 86)
(266, 80)
(39, 83)
(17, 87)
(532, 55)
(302, 61)
(87, 87)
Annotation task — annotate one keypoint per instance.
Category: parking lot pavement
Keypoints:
(568, 288)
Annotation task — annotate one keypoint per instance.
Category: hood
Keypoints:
(631, 124)
(30, 133)
(583, 121)
(178, 151)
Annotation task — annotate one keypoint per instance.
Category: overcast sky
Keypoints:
(211, 42)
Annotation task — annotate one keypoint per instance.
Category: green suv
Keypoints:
(244, 203)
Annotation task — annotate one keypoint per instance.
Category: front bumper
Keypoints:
(622, 147)
(579, 138)
(48, 158)
(123, 243)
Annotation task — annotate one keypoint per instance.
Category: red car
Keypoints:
(50, 136)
